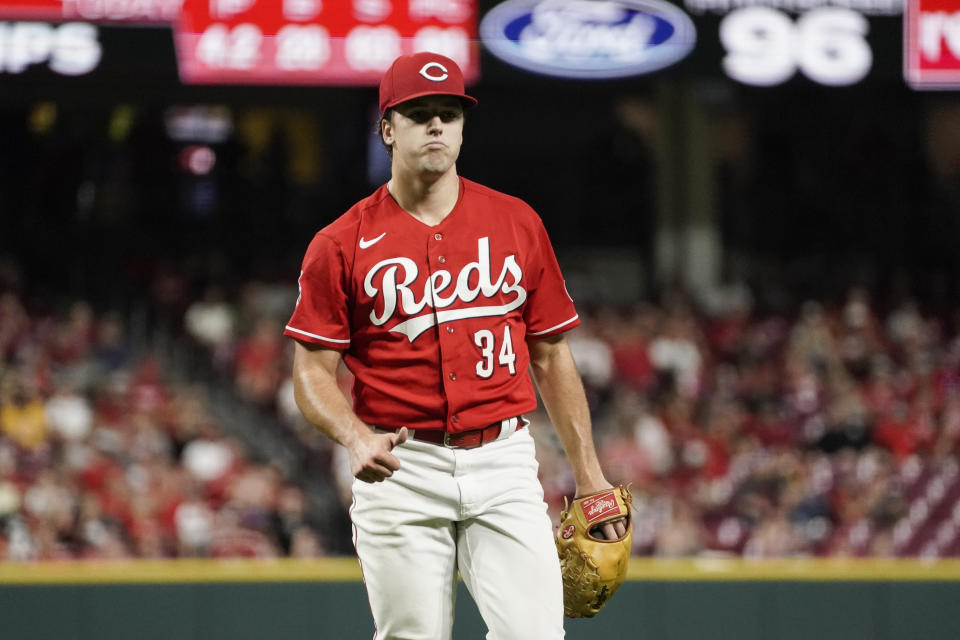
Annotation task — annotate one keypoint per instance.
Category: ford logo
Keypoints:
(588, 38)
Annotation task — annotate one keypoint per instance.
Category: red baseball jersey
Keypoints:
(434, 321)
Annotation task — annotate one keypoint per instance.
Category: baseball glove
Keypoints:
(592, 568)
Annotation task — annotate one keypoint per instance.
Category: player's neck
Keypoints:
(427, 201)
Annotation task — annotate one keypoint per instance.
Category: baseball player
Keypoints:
(440, 295)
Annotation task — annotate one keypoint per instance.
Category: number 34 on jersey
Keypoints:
(505, 356)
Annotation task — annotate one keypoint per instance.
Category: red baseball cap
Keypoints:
(421, 74)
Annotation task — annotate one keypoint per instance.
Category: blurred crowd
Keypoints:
(105, 454)
(830, 431)
(825, 428)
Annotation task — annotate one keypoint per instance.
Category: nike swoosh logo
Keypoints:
(366, 244)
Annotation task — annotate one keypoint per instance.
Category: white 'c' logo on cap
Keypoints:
(425, 72)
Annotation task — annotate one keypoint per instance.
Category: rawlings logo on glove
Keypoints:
(599, 506)
(592, 567)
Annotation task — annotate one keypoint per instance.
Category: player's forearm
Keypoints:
(563, 397)
(319, 397)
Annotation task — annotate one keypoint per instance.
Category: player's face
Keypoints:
(426, 134)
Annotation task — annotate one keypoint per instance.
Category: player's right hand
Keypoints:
(370, 457)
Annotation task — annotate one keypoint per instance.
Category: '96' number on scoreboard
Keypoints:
(765, 47)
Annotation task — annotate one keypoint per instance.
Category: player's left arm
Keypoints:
(557, 378)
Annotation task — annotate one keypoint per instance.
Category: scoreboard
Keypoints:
(318, 41)
(754, 43)
(278, 42)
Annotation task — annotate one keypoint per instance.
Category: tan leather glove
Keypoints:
(592, 568)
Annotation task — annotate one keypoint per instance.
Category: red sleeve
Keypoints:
(321, 315)
(549, 309)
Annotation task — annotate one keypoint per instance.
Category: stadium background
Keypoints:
(767, 276)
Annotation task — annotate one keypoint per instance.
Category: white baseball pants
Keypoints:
(480, 511)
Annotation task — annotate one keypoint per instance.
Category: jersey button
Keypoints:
(453, 376)
(437, 236)
(441, 259)
(449, 329)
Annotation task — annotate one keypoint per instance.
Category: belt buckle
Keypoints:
(446, 440)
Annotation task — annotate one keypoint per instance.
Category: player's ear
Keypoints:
(386, 128)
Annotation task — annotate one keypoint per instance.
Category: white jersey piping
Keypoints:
(313, 335)
(554, 327)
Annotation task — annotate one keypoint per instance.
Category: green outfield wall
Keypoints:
(325, 599)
